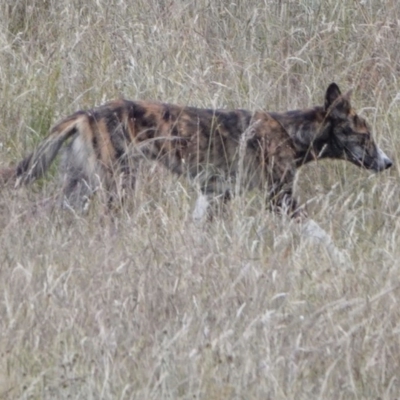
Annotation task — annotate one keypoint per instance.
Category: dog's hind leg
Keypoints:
(79, 176)
(213, 197)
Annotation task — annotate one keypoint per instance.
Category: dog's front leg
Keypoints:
(281, 198)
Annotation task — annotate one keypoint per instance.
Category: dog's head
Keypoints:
(350, 135)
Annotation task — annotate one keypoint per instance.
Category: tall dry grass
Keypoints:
(148, 305)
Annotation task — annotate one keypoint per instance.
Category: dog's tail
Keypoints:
(37, 163)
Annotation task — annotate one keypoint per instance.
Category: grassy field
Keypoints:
(149, 305)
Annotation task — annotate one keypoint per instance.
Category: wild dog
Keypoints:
(218, 148)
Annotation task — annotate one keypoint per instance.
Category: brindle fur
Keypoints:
(214, 147)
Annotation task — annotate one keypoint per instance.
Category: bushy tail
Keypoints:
(36, 164)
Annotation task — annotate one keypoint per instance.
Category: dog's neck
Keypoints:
(309, 132)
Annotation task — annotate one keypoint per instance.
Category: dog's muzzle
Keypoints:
(383, 161)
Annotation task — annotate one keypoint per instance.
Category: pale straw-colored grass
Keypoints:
(147, 304)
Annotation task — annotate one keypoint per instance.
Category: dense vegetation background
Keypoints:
(147, 305)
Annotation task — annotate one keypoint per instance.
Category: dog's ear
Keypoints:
(348, 94)
(340, 109)
(332, 93)
(336, 104)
